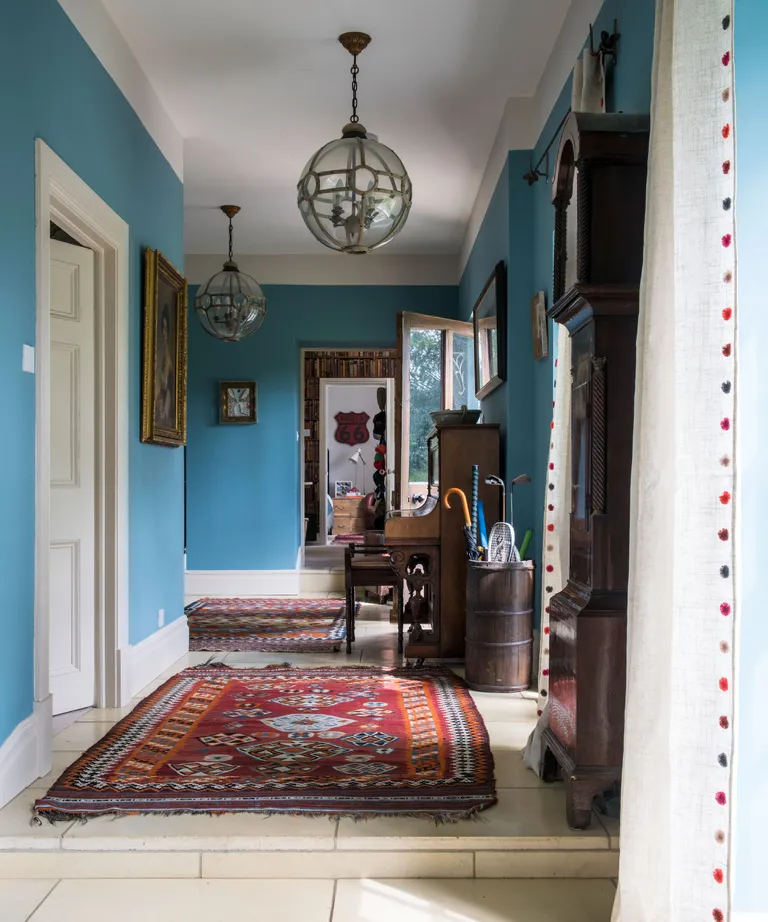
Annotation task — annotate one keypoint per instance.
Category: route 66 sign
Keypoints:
(352, 428)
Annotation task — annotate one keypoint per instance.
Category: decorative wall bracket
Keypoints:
(609, 43)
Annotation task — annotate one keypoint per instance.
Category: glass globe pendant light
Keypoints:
(354, 193)
(230, 305)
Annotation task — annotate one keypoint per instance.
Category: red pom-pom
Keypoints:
(725, 424)
(723, 684)
(726, 240)
(724, 724)
(720, 798)
(726, 131)
(727, 350)
(725, 609)
(718, 875)
(726, 59)
(725, 497)
(727, 313)
(726, 167)
(723, 534)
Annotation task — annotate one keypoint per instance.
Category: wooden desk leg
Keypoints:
(418, 567)
(350, 618)
(398, 601)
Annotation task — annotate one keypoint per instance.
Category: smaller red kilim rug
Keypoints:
(267, 625)
(349, 539)
(340, 741)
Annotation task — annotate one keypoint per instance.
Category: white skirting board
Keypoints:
(142, 663)
(234, 584)
(26, 754)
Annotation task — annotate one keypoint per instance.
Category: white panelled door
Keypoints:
(73, 480)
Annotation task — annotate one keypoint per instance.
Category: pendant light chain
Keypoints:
(354, 194)
(354, 70)
(230, 239)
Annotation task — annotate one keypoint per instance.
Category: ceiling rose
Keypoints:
(354, 194)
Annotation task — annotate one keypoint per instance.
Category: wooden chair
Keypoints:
(368, 565)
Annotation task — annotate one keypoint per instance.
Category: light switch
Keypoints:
(28, 358)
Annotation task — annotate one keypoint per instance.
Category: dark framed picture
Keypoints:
(489, 320)
(164, 358)
(237, 402)
(539, 325)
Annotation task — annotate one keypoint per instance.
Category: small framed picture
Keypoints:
(539, 325)
(343, 487)
(237, 402)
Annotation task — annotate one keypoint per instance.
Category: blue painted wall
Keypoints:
(751, 784)
(519, 227)
(505, 234)
(53, 87)
(243, 502)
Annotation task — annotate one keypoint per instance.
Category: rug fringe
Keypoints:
(445, 817)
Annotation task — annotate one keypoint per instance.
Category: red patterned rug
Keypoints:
(348, 539)
(342, 741)
(267, 625)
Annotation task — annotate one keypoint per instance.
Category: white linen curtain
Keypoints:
(675, 811)
(587, 95)
(557, 507)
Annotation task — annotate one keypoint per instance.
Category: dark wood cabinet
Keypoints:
(428, 548)
(603, 158)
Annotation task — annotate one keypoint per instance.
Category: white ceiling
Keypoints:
(256, 86)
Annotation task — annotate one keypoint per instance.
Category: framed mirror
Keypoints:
(489, 320)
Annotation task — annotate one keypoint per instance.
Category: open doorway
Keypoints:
(81, 464)
(355, 423)
(436, 372)
(357, 366)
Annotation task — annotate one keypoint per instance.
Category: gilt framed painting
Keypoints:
(164, 359)
(237, 402)
(489, 319)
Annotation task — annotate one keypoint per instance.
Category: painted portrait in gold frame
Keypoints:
(164, 359)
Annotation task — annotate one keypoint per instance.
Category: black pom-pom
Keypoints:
(726, 22)
(727, 204)
(726, 386)
(725, 572)
(723, 759)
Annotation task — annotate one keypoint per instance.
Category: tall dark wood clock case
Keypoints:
(599, 198)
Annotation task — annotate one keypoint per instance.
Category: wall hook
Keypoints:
(534, 173)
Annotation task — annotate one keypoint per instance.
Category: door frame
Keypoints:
(325, 383)
(407, 321)
(61, 196)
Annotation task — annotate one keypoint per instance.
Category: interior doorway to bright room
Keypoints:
(347, 367)
(355, 478)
